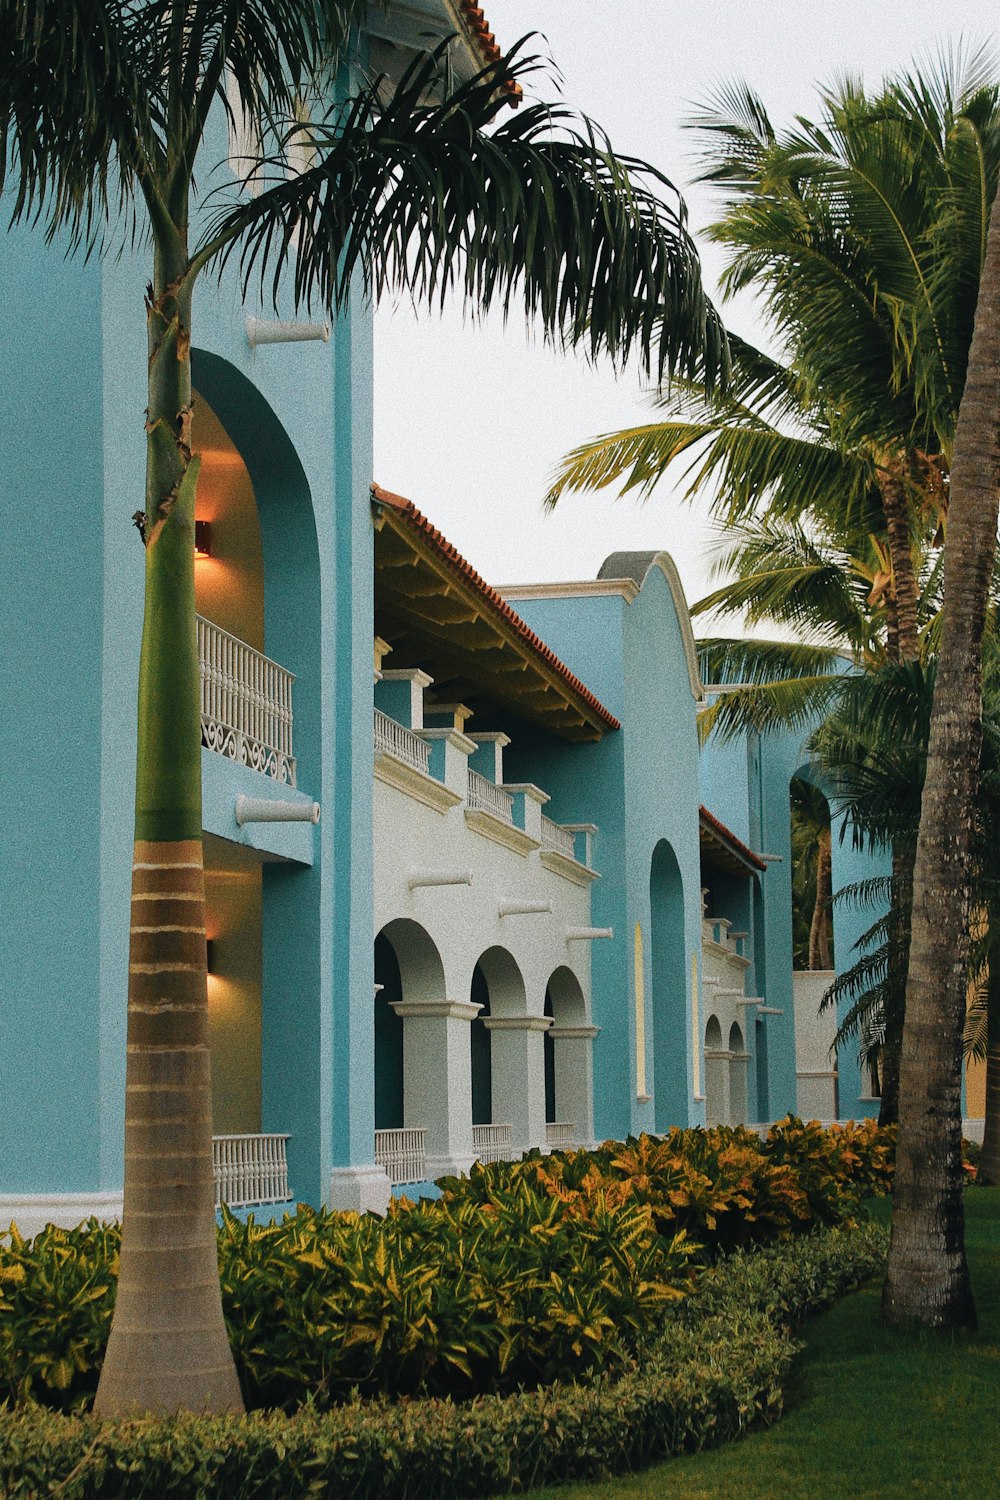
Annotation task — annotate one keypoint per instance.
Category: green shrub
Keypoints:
(525, 1272)
(715, 1368)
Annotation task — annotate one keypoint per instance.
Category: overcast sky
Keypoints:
(471, 418)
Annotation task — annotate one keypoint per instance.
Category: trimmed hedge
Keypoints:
(715, 1368)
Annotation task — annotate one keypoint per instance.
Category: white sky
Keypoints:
(471, 418)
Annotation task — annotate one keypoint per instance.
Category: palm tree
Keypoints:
(103, 105)
(927, 1284)
(871, 236)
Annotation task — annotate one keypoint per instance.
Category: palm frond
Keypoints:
(418, 196)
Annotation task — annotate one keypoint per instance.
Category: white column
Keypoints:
(437, 1079)
(574, 1069)
(518, 1061)
(716, 1087)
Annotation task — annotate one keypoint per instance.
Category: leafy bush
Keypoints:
(445, 1299)
(525, 1272)
(722, 1187)
(715, 1368)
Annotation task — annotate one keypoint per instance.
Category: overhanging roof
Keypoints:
(721, 848)
(436, 612)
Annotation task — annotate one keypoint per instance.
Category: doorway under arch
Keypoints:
(668, 987)
(567, 1048)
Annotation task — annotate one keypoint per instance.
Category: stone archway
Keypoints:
(517, 1065)
(739, 1060)
(716, 1074)
(568, 1044)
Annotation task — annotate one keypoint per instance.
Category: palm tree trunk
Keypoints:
(905, 593)
(900, 916)
(989, 1161)
(927, 1284)
(819, 929)
(168, 1348)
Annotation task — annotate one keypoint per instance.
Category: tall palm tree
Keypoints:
(869, 235)
(927, 1284)
(103, 108)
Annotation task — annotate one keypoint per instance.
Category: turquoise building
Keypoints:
(570, 998)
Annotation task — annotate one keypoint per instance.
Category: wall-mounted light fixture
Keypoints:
(210, 955)
(202, 538)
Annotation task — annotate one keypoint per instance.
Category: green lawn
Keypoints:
(868, 1413)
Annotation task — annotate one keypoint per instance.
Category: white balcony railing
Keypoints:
(246, 704)
(560, 1134)
(554, 836)
(395, 739)
(403, 1154)
(250, 1169)
(492, 1142)
(486, 796)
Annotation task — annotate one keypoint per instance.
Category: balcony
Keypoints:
(250, 1170)
(246, 704)
(432, 766)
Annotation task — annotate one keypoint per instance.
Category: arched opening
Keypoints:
(716, 1075)
(812, 876)
(813, 948)
(669, 988)
(738, 1060)
(506, 1056)
(411, 1105)
(261, 587)
(388, 1038)
(480, 1039)
(568, 1062)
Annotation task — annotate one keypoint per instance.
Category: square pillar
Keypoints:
(518, 1061)
(574, 1070)
(437, 1080)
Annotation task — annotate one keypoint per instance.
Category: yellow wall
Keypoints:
(233, 921)
(229, 585)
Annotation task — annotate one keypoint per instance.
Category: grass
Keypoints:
(869, 1413)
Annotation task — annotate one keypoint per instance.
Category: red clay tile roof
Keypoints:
(498, 605)
(726, 836)
(487, 43)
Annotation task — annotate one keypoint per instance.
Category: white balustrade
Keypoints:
(560, 1135)
(246, 704)
(555, 837)
(403, 1154)
(492, 1142)
(486, 796)
(250, 1169)
(395, 739)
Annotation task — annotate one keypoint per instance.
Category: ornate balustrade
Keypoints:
(246, 704)
(560, 1134)
(403, 1154)
(492, 1142)
(485, 796)
(554, 836)
(250, 1169)
(395, 739)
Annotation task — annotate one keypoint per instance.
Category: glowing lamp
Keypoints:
(202, 538)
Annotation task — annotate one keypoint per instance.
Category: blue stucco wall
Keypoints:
(639, 785)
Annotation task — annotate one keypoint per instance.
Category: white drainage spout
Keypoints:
(587, 934)
(420, 876)
(273, 331)
(260, 810)
(523, 908)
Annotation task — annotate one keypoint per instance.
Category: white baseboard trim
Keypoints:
(32, 1211)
